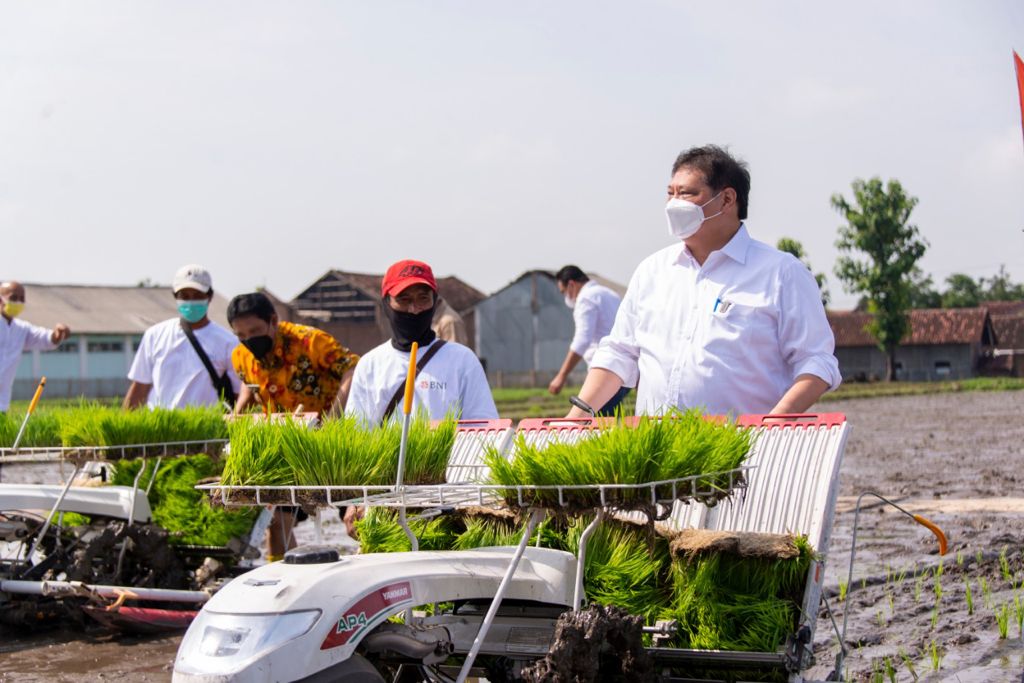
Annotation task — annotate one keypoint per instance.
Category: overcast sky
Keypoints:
(273, 141)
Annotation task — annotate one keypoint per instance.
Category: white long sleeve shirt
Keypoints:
(593, 315)
(452, 381)
(16, 337)
(730, 336)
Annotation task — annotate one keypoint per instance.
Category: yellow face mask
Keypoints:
(12, 309)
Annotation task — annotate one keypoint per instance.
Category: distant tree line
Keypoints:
(879, 252)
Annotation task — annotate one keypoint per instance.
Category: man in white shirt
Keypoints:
(718, 320)
(451, 379)
(18, 336)
(167, 371)
(593, 313)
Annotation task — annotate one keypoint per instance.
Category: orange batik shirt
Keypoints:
(304, 368)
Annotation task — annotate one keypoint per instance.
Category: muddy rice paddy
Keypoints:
(956, 458)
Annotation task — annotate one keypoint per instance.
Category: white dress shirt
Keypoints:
(730, 336)
(167, 361)
(452, 381)
(16, 337)
(593, 315)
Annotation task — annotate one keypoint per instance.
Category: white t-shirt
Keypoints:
(452, 380)
(167, 360)
(17, 336)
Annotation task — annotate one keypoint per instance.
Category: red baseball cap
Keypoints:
(406, 273)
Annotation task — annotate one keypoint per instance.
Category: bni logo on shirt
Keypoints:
(432, 385)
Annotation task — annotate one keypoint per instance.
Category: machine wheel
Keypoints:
(355, 669)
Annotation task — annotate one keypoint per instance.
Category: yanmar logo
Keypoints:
(368, 611)
(432, 385)
(413, 271)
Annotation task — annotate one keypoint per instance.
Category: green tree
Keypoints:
(922, 291)
(1000, 288)
(877, 227)
(792, 246)
(962, 291)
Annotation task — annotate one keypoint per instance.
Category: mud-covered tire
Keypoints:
(355, 669)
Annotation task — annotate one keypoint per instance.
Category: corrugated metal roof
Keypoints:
(459, 295)
(97, 309)
(928, 327)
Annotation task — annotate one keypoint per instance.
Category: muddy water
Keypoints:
(956, 458)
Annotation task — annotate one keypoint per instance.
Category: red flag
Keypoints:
(1020, 85)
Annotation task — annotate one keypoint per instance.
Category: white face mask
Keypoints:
(685, 218)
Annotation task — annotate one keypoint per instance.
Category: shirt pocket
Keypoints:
(741, 331)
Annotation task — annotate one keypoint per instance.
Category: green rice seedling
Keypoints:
(379, 532)
(1004, 565)
(890, 669)
(42, 430)
(892, 602)
(842, 590)
(959, 558)
(937, 587)
(1003, 621)
(935, 616)
(95, 425)
(177, 505)
(624, 566)
(255, 456)
(969, 597)
(986, 593)
(908, 662)
(939, 570)
(918, 584)
(936, 655)
(978, 556)
(1018, 609)
(723, 601)
(901, 577)
(880, 619)
(675, 446)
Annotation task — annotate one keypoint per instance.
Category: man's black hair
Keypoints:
(720, 170)
(571, 274)
(256, 303)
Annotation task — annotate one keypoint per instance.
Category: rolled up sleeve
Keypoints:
(619, 351)
(805, 338)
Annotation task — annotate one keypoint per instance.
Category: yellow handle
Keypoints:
(35, 398)
(410, 379)
(931, 526)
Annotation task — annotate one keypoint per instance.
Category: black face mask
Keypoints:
(407, 328)
(259, 346)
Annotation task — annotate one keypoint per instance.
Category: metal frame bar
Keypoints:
(531, 524)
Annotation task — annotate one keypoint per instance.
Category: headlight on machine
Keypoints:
(225, 643)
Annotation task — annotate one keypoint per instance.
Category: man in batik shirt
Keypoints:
(287, 365)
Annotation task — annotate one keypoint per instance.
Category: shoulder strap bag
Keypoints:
(222, 384)
(424, 359)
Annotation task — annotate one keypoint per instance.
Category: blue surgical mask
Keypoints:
(193, 311)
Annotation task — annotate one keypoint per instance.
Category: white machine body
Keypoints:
(282, 622)
(107, 501)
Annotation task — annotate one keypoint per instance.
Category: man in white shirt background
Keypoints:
(167, 371)
(451, 379)
(593, 313)
(718, 320)
(18, 336)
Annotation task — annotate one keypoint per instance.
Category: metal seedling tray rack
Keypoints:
(141, 450)
(700, 488)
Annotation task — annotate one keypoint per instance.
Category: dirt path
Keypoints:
(955, 458)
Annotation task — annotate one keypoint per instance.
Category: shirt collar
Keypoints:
(736, 248)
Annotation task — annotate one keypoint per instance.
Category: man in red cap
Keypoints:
(449, 376)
